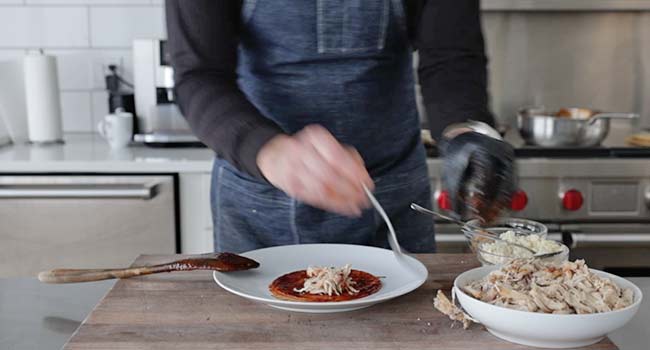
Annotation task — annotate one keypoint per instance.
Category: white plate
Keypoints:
(398, 279)
(545, 330)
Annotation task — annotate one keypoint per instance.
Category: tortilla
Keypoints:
(284, 287)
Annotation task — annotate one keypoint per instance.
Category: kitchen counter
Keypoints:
(40, 316)
(89, 153)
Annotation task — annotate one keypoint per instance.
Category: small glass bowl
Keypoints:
(504, 224)
(498, 227)
(487, 258)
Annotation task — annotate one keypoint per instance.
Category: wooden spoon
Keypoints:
(224, 262)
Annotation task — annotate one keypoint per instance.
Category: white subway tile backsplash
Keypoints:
(118, 26)
(76, 111)
(46, 27)
(75, 69)
(85, 69)
(85, 36)
(101, 59)
(99, 106)
(6, 55)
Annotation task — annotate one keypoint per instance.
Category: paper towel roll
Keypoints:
(42, 98)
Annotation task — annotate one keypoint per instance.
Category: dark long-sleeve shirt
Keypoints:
(203, 40)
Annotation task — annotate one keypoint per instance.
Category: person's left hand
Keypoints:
(478, 172)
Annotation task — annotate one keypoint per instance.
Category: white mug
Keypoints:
(117, 128)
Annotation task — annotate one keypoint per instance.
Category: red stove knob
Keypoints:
(519, 201)
(444, 202)
(572, 200)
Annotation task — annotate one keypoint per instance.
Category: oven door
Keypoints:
(449, 239)
(619, 248)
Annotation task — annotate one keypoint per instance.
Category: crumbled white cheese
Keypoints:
(504, 252)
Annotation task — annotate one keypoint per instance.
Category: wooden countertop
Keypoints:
(187, 310)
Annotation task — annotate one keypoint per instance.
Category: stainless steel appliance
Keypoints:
(83, 221)
(579, 127)
(595, 200)
(159, 121)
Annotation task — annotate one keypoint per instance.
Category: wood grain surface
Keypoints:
(187, 310)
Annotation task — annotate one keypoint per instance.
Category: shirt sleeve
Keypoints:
(202, 41)
(452, 63)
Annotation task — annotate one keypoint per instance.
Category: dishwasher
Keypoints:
(78, 221)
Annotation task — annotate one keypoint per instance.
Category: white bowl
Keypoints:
(545, 330)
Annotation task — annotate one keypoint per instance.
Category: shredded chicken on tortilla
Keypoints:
(328, 280)
(535, 286)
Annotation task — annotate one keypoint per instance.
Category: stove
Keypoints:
(595, 200)
(572, 152)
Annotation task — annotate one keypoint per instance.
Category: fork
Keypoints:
(392, 237)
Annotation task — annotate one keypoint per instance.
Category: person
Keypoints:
(306, 102)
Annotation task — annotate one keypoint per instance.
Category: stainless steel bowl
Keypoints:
(570, 127)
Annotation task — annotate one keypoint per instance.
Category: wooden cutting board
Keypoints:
(187, 310)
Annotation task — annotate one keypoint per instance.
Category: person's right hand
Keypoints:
(313, 167)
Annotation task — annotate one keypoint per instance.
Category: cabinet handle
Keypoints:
(630, 238)
(450, 237)
(459, 238)
(89, 191)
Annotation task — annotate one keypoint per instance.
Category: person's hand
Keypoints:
(313, 167)
(478, 172)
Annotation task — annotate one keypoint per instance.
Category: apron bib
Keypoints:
(347, 66)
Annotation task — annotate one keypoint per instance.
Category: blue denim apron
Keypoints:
(347, 66)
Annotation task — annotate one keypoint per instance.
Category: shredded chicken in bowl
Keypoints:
(544, 287)
(569, 288)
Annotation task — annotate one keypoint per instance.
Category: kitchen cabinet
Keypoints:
(75, 209)
(196, 218)
(81, 221)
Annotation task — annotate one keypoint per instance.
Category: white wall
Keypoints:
(86, 36)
